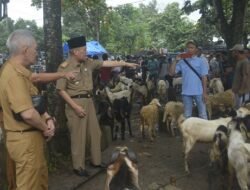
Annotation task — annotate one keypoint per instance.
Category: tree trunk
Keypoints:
(53, 49)
(52, 33)
(232, 31)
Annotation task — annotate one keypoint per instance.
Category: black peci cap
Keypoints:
(76, 42)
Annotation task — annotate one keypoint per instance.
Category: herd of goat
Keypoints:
(226, 129)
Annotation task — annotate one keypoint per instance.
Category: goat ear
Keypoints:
(114, 156)
(244, 129)
(215, 137)
(132, 156)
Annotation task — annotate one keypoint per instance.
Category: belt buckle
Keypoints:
(88, 95)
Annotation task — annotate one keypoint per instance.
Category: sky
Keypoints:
(23, 9)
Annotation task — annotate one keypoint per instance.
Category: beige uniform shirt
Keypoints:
(241, 82)
(83, 82)
(16, 90)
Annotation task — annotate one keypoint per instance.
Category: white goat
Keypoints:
(196, 129)
(162, 87)
(242, 112)
(216, 85)
(172, 112)
(123, 84)
(118, 95)
(149, 118)
(238, 154)
(142, 89)
(126, 80)
(232, 152)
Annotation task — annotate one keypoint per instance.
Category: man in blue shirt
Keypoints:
(193, 88)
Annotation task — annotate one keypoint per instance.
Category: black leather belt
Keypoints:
(24, 131)
(82, 96)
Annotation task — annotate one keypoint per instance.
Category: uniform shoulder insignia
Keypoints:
(64, 64)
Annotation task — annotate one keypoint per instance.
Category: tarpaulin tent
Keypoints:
(93, 48)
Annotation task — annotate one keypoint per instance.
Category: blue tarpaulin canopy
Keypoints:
(93, 48)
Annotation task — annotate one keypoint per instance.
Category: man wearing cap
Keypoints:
(80, 111)
(241, 84)
(193, 84)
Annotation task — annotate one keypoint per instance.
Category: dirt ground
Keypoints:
(158, 161)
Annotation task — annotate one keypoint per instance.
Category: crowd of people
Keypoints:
(25, 137)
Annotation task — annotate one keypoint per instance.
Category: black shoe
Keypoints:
(81, 172)
(101, 166)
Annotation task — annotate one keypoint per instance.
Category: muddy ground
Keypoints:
(158, 161)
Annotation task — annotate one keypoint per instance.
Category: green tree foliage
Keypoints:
(32, 26)
(83, 17)
(229, 17)
(124, 30)
(171, 28)
(8, 25)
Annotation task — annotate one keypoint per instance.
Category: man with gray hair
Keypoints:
(24, 138)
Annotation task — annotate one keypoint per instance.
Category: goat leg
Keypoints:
(129, 127)
(110, 175)
(112, 132)
(116, 132)
(123, 129)
(133, 169)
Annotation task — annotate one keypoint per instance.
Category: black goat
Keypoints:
(106, 116)
(122, 172)
(122, 109)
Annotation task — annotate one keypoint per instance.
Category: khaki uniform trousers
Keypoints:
(27, 151)
(83, 129)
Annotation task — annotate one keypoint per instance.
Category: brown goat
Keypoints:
(122, 172)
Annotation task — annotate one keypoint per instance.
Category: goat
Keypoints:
(162, 87)
(196, 129)
(122, 109)
(123, 84)
(247, 105)
(172, 112)
(216, 85)
(238, 153)
(151, 89)
(118, 95)
(219, 102)
(142, 90)
(218, 167)
(122, 172)
(149, 118)
(106, 116)
(233, 153)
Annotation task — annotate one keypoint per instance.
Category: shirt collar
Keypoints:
(21, 69)
(73, 61)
